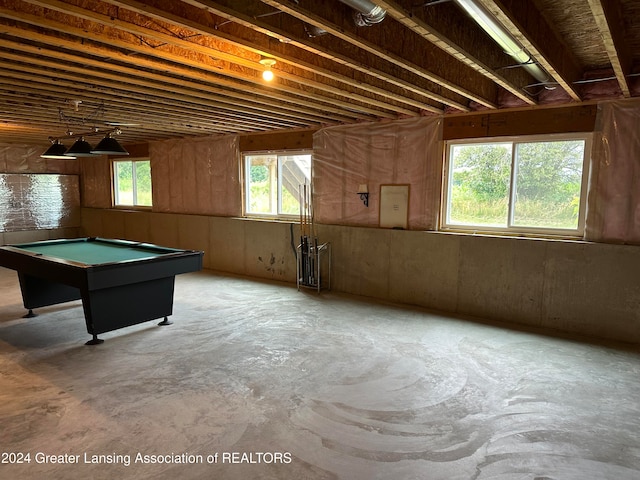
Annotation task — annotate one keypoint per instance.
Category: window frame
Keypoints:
(114, 183)
(510, 228)
(279, 183)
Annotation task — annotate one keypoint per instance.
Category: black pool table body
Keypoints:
(132, 288)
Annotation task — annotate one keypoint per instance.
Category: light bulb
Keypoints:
(267, 74)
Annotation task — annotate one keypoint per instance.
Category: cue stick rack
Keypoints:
(311, 255)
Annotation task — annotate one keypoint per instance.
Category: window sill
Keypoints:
(503, 234)
(269, 219)
(132, 208)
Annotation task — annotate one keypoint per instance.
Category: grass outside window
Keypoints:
(522, 185)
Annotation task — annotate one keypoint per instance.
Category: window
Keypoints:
(532, 184)
(275, 183)
(132, 182)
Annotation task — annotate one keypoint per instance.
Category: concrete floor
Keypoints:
(282, 384)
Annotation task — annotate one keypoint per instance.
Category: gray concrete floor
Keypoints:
(282, 384)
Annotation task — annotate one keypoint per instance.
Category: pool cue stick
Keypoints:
(307, 257)
(313, 241)
(305, 238)
(302, 230)
(300, 275)
(310, 245)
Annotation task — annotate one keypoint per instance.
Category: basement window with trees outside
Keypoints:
(132, 183)
(533, 185)
(275, 183)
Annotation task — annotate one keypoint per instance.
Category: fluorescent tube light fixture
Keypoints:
(503, 38)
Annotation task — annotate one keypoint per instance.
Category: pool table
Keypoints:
(121, 283)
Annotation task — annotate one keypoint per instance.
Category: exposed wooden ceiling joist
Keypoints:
(286, 34)
(412, 20)
(527, 25)
(188, 45)
(286, 57)
(479, 90)
(192, 67)
(607, 15)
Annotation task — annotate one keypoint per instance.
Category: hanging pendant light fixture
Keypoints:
(57, 150)
(109, 146)
(267, 74)
(81, 148)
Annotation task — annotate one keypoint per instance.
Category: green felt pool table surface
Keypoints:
(95, 252)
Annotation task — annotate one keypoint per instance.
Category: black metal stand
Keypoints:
(95, 340)
(309, 261)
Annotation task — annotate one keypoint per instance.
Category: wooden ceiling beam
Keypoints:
(528, 26)
(413, 21)
(125, 111)
(50, 126)
(290, 57)
(138, 58)
(144, 101)
(355, 101)
(185, 124)
(476, 87)
(334, 51)
(607, 16)
(191, 92)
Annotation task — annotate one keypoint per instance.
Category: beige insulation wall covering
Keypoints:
(613, 208)
(96, 181)
(196, 176)
(26, 159)
(400, 152)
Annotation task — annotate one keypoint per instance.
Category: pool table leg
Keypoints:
(166, 321)
(95, 340)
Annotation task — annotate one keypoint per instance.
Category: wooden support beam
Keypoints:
(607, 16)
(139, 52)
(528, 26)
(414, 22)
(474, 83)
(353, 100)
(526, 121)
(212, 98)
(335, 50)
(286, 54)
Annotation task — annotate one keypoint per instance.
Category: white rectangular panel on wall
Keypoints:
(394, 206)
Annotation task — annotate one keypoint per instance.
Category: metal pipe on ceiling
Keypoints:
(368, 13)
